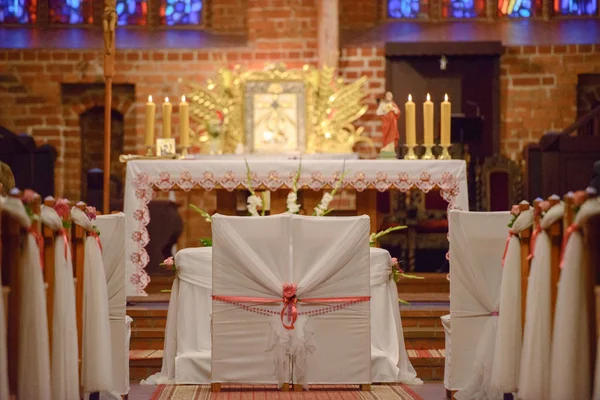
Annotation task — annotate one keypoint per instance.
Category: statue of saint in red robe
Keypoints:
(389, 113)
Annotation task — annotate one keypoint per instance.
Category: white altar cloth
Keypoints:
(146, 176)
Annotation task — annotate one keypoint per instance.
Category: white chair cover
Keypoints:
(447, 325)
(534, 374)
(389, 359)
(112, 237)
(65, 351)
(570, 365)
(477, 241)
(4, 389)
(33, 353)
(327, 259)
(96, 349)
(186, 357)
(507, 354)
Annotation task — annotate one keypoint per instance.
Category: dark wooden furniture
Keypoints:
(499, 184)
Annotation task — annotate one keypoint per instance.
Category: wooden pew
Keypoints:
(48, 235)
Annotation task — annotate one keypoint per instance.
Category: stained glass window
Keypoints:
(71, 11)
(132, 12)
(181, 12)
(463, 8)
(576, 7)
(18, 11)
(397, 9)
(519, 8)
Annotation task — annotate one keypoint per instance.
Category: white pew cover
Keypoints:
(112, 236)
(534, 374)
(33, 353)
(507, 354)
(65, 351)
(570, 366)
(477, 242)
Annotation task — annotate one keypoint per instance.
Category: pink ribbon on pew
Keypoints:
(290, 302)
(63, 232)
(572, 228)
(40, 242)
(534, 236)
(510, 236)
(495, 313)
(95, 236)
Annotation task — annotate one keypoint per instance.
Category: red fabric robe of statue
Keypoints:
(390, 127)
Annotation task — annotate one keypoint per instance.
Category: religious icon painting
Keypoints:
(275, 116)
(165, 147)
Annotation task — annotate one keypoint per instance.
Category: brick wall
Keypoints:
(227, 16)
(359, 13)
(539, 90)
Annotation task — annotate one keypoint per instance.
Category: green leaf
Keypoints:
(206, 242)
(407, 276)
(165, 291)
(381, 234)
(207, 217)
(403, 301)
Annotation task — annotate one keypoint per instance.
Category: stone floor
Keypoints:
(429, 391)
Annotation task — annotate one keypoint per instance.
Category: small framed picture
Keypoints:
(165, 147)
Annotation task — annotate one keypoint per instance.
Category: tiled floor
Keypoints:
(429, 391)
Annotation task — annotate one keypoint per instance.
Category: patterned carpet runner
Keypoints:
(261, 392)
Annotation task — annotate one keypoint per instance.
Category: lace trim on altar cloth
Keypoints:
(145, 185)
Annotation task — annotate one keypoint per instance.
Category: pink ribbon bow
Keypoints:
(510, 236)
(95, 236)
(572, 228)
(63, 233)
(40, 242)
(534, 236)
(289, 301)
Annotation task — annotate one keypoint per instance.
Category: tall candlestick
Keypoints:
(150, 110)
(428, 121)
(184, 123)
(445, 112)
(167, 109)
(409, 112)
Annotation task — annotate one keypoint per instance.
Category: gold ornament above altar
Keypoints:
(277, 110)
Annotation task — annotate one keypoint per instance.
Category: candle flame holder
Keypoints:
(428, 153)
(445, 153)
(410, 154)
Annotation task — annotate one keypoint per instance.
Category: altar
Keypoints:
(227, 173)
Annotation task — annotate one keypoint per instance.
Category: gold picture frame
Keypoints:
(330, 106)
(165, 147)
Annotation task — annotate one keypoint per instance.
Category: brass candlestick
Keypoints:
(410, 154)
(445, 153)
(428, 153)
(184, 152)
(149, 151)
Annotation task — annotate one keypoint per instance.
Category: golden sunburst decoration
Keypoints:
(331, 105)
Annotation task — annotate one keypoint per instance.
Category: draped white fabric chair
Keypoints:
(112, 238)
(389, 359)
(329, 341)
(33, 353)
(507, 354)
(4, 389)
(65, 351)
(186, 357)
(477, 242)
(96, 349)
(570, 365)
(534, 374)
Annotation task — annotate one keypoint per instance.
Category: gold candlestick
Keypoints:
(184, 152)
(410, 154)
(428, 153)
(149, 151)
(445, 153)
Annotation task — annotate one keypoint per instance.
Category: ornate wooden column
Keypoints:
(329, 42)
(109, 24)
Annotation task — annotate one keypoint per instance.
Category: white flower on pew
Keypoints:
(323, 206)
(254, 203)
(169, 264)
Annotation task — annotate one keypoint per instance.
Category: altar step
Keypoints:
(429, 364)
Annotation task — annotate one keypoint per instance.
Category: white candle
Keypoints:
(409, 112)
(150, 110)
(167, 109)
(428, 121)
(184, 123)
(445, 115)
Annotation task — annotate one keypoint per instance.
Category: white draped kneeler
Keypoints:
(261, 259)
(112, 236)
(477, 242)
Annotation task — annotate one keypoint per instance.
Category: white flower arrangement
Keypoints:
(322, 208)
(254, 202)
(292, 199)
